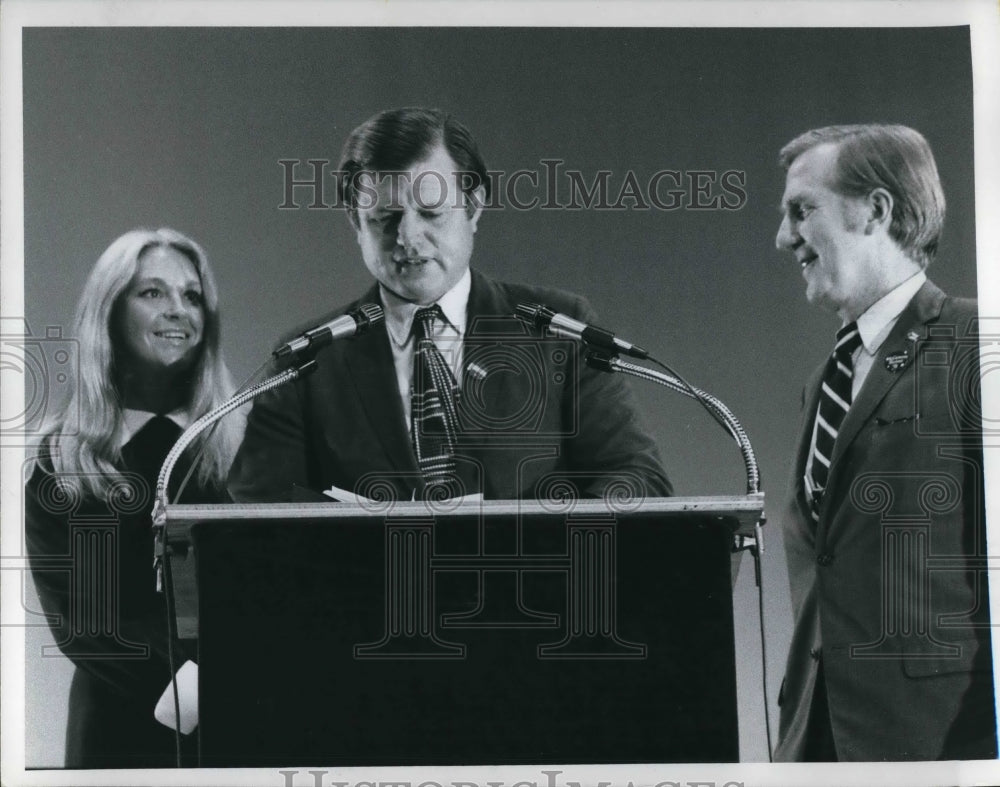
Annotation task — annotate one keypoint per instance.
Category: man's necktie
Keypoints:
(834, 402)
(433, 412)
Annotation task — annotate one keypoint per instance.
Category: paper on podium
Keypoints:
(346, 496)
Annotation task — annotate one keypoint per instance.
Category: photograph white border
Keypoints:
(983, 17)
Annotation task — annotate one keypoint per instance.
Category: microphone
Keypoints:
(350, 324)
(543, 317)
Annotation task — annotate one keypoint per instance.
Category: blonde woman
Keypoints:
(148, 331)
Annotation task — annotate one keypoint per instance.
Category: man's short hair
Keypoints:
(895, 158)
(395, 139)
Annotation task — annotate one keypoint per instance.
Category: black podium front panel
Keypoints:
(466, 640)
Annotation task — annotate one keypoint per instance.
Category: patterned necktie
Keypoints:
(433, 409)
(834, 402)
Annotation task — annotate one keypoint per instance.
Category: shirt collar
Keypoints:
(399, 313)
(874, 325)
(134, 420)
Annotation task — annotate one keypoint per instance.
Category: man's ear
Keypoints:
(352, 216)
(474, 203)
(880, 205)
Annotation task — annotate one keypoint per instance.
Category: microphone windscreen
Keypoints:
(371, 313)
(535, 313)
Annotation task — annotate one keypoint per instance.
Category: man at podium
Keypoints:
(451, 395)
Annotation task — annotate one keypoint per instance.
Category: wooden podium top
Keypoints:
(746, 510)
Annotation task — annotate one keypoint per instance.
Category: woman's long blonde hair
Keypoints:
(85, 436)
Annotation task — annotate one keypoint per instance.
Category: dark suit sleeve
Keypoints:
(274, 456)
(117, 635)
(611, 445)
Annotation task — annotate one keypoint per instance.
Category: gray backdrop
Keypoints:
(185, 128)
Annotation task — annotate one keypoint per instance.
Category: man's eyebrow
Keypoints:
(793, 200)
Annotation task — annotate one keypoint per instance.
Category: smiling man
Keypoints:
(890, 654)
(450, 395)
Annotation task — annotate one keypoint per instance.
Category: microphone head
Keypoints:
(534, 314)
(368, 315)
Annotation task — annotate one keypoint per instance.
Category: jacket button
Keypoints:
(815, 653)
(824, 559)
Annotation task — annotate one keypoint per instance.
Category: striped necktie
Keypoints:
(834, 402)
(433, 409)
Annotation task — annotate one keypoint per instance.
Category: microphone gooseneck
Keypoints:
(603, 356)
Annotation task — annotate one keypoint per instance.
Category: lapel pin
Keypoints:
(476, 371)
(912, 336)
(896, 361)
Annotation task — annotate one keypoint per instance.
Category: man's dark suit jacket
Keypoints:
(880, 588)
(536, 420)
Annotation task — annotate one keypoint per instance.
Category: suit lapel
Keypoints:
(489, 314)
(369, 363)
(924, 307)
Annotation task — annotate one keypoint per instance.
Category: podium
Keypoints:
(497, 632)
